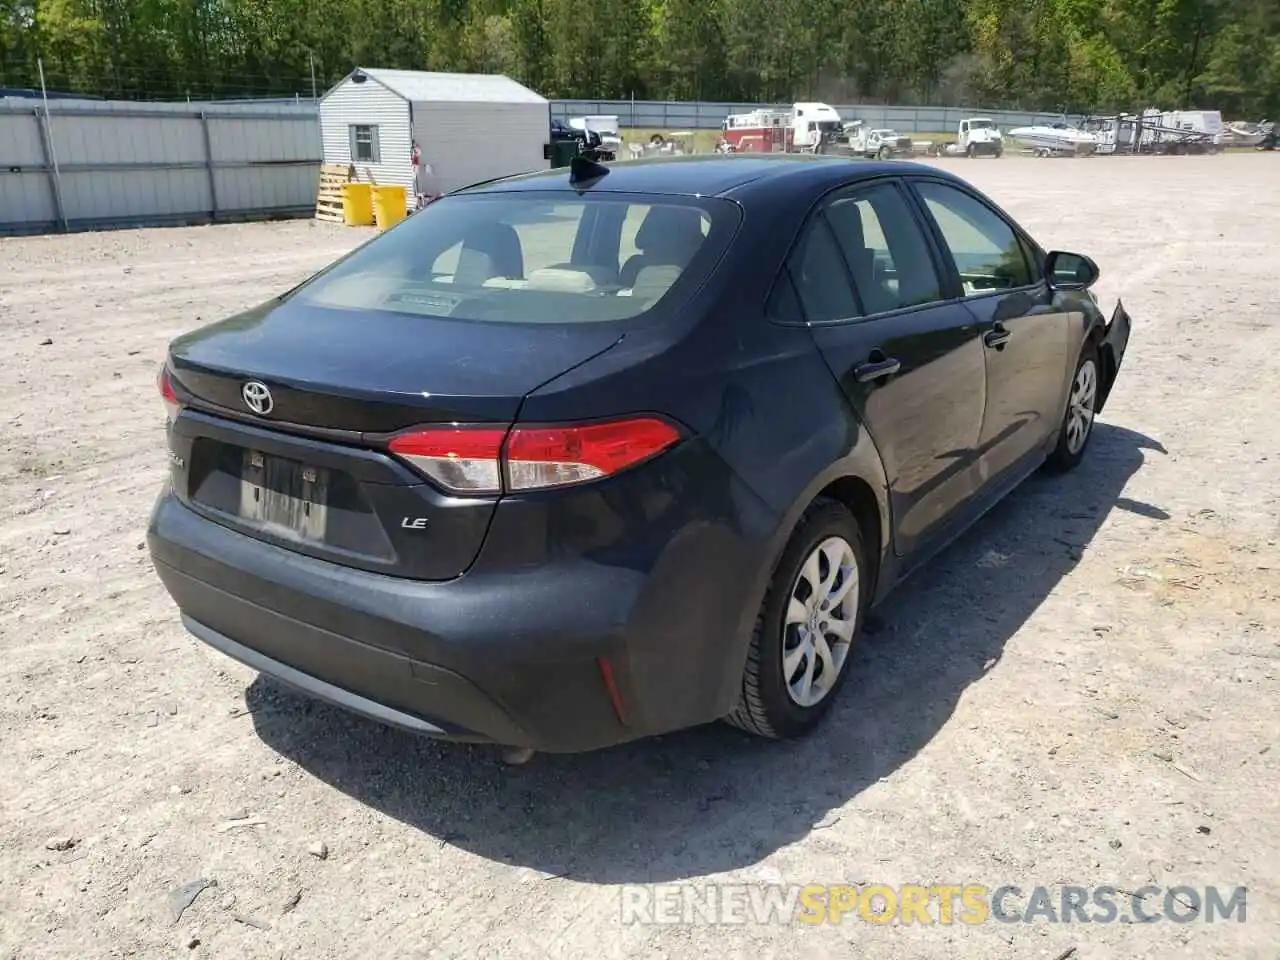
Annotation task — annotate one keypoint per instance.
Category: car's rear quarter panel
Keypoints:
(772, 429)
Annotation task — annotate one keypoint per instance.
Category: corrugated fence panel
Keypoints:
(26, 194)
(123, 163)
(268, 187)
(20, 140)
(26, 198)
(262, 140)
(146, 195)
(127, 139)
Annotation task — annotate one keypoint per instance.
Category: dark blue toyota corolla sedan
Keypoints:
(586, 455)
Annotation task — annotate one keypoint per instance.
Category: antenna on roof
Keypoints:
(584, 170)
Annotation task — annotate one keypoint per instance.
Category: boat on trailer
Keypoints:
(1055, 140)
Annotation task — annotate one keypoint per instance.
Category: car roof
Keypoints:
(711, 175)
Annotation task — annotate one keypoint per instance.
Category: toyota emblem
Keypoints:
(257, 397)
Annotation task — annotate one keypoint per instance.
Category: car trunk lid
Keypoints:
(375, 371)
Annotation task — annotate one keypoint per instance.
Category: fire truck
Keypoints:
(760, 131)
(803, 127)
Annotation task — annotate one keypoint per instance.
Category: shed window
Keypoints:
(364, 143)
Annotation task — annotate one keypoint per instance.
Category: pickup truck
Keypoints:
(880, 143)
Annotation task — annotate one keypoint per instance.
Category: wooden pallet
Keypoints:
(329, 198)
(336, 173)
(330, 212)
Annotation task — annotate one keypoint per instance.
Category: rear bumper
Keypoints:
(306, 683)
(512, 659)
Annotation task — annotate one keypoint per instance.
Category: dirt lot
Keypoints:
(1083, 690)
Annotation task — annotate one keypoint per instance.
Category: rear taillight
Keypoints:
(539, 457)
(167, 394)
(486, 459)
(463, 459)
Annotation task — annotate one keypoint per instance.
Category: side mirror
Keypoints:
(1070, 271)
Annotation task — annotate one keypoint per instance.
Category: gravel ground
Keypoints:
(1083, 690)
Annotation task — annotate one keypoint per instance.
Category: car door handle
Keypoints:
(876, 369)
(996, 337)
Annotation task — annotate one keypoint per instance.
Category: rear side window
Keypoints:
(986, 251)
(533, 258)
(885, 249)
(819, 274)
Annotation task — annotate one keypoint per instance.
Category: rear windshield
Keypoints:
(533, 258)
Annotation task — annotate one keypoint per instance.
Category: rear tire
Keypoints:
(800, 649)
(1077, 420)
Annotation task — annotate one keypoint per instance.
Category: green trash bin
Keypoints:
(563, 152)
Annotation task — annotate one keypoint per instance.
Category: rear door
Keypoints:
(1025, 327)
(865, 279)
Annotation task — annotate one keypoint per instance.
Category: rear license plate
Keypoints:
(284, 497)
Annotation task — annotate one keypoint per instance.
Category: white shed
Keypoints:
(468, 126)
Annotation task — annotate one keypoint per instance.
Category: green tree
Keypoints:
(1082, 55)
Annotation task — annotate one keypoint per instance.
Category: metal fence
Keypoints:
(88, 164)
(674, 115)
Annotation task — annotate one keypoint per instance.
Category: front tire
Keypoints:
(1077, 421)
(808, 622)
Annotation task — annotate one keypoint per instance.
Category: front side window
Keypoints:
(364, 143)
(539, 257)
(986, 250)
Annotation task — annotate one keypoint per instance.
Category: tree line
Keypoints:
(1050, 55)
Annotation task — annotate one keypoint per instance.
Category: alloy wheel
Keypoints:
(1084, 393)
(819, 622)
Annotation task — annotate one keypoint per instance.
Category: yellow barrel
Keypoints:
(388, 206)
(357, 204)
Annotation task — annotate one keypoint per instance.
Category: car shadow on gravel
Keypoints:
(711, 799)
